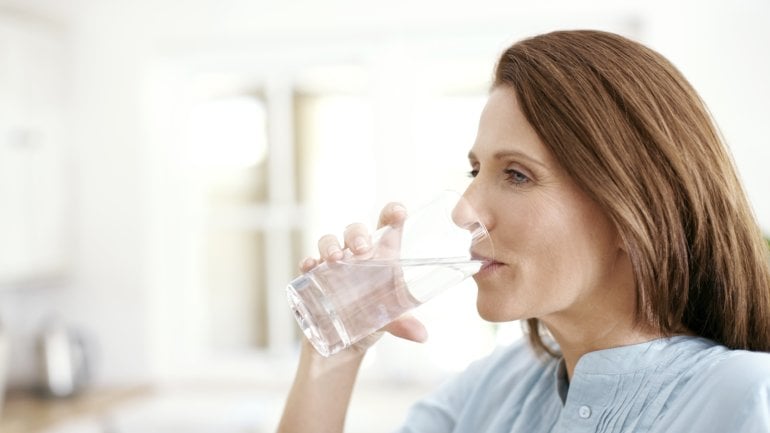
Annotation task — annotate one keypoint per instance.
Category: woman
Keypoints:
(622, 236)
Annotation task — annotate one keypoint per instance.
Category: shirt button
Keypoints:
(584, 412)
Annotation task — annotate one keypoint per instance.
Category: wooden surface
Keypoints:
(29, 412)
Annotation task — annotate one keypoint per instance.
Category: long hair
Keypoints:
(635, 136)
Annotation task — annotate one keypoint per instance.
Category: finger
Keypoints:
(389, 242)
(409, 328)
(329, 248)
(357, 238)
(392, 214)
(307, 264)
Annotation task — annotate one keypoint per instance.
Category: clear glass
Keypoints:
(337, 304)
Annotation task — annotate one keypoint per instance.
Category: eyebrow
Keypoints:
(508, 153)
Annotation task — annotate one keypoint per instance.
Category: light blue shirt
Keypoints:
(670, 385)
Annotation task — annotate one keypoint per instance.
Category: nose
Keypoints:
(466, 214)
(463, 213)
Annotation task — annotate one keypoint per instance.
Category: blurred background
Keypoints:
(165, 164)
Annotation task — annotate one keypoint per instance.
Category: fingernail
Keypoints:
(399, 208)
(308, 262)
(360, 244)
(334, 252)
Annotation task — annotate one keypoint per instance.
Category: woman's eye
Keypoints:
(516, 177)
(473, 173)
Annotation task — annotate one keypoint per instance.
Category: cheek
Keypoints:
(566, 248)
(543, 231)
(583, 256)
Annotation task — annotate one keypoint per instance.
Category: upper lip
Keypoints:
(477, 256)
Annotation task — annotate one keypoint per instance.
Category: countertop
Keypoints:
(29, 412)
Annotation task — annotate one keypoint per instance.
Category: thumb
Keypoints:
(409, 328)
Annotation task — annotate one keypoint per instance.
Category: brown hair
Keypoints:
(632, 132)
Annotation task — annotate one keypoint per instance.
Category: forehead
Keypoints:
(503, 128)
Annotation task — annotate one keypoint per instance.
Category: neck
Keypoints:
(576, 341)
(604, 319)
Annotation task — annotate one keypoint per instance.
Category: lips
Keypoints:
(488, 262)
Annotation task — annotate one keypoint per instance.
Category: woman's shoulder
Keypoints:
(740, 368)
(492, 387)
(729, 392)
(732, 378)
(711, 365)
(517, 362)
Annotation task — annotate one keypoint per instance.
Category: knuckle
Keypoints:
(327, 239)
(306, 263)
(355, 228)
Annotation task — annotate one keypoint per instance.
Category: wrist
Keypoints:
(350, 358)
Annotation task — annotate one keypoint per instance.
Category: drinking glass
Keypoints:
(338, 303)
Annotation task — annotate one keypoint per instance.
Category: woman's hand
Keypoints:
(357, 240)
(320, 395)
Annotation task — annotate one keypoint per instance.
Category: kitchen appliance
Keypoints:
(3, 363)
(63, 362)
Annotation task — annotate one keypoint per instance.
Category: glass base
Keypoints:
(317, 320)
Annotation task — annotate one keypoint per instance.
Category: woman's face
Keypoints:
(556, 254)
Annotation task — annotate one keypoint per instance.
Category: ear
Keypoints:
(621, 242)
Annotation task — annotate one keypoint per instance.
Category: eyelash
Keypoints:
(511, 176)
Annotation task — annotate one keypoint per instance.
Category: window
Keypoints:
(257, 176)
(227, 146)
(407, 141)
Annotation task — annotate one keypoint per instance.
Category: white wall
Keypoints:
(123, 257)
(724, 50)
(35, 177)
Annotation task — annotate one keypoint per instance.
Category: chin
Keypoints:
(494, 302)
(493, 310)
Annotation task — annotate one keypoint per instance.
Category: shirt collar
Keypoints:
(640, 356)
